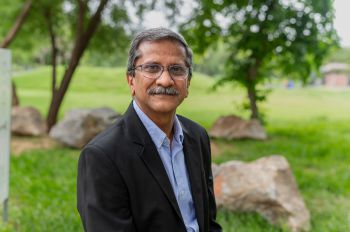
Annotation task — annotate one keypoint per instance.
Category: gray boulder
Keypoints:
(79, 126)
(234, 127)
(27, 121)
(265, 186)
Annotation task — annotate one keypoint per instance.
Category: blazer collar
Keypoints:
(149, 154)
(193, 162)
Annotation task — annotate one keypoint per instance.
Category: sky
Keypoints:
(341, 21)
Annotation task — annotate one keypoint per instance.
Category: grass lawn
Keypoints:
(310, 127)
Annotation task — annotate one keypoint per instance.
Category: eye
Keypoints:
(151, 68)
(178, 70)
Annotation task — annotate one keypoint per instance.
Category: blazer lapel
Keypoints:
(154, 164)
(150, 156)
(194, 168)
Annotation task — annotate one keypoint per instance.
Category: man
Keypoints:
(151, 171)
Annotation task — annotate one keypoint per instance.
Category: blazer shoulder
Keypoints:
(110, 137)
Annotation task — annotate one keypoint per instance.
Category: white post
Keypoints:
(5, 127)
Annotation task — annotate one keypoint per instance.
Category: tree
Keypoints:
(11, 36)
(108, 23)
(86, 25)
(210, 62)
(17, 24)
(71, 25)
(291, 37)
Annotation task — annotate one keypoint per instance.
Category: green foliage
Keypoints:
(210, 63)
(108, 46)
(264, 37)
(9, 11)
(32, 44)
(25, 43)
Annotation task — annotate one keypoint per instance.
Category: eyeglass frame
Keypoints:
(162, 71)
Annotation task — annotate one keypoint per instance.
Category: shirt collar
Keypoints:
(178, 133)
(157, 135)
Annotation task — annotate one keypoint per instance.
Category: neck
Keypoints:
(165, 120)
(165, 123)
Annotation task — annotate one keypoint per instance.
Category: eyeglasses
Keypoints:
(154, 71)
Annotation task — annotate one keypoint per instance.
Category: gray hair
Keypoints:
(156, 34)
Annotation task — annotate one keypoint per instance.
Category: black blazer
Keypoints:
(123, 186)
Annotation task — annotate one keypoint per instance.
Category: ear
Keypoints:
(130, 79)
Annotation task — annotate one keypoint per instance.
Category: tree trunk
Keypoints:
(83, 38)
(252, 101)
(15, 100)
(254, 67)
(251, 88)
(53, 110)
(18, 24)
(54, 50)
(10, 37)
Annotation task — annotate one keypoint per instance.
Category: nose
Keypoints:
(165, 79)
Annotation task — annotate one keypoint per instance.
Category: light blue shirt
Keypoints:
(173, 160)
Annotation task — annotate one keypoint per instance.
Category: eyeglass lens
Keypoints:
(155, 71)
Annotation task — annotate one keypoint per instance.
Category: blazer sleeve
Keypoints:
(213, 225)
(102, 197)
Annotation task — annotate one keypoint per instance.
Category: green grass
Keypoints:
(96, 87)
(310, 127)
(318, 152)
(42, 196)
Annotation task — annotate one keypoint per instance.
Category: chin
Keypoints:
(165, 106)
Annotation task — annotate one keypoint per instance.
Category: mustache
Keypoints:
(164, 91)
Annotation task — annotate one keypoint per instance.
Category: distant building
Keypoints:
(336, 75)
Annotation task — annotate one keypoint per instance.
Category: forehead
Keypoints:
(161, 50)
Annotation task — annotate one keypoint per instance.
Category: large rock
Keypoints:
(266, 186)
(27, 121)
(79, 126)
(234, 127)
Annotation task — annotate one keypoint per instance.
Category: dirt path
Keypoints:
(21, 144)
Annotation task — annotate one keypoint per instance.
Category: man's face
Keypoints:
(165, 53)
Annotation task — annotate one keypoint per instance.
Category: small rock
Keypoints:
(27, 121)
(266, 186)
(234, 127)
(79, 126)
